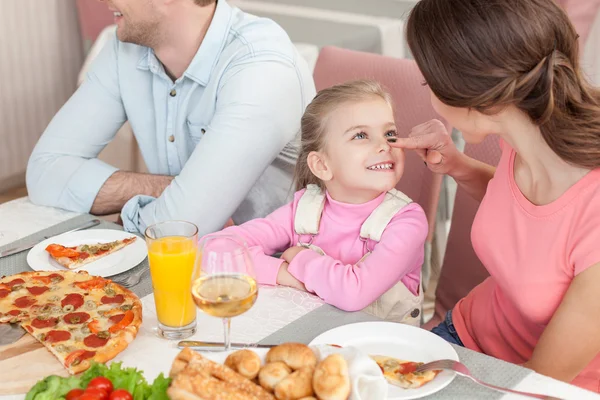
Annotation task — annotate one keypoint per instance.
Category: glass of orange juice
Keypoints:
(172, 247)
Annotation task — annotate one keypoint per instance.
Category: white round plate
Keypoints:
(399, 341)
(115, 263)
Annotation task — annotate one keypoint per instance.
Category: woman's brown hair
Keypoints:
(314, 121)
(488, 54)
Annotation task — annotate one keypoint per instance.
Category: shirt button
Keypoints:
(171, 138)
(415, 313)
(203, 131)
(173, 93)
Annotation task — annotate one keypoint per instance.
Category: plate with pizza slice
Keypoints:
(398, 349)
(101, 252)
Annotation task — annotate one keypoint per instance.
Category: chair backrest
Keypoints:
(94, 16)
(412, 106)
(582, 14)
(462, 270)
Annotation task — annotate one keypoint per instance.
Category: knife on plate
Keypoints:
(219, 346)
(27, 246)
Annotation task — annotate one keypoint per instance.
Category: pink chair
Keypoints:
(94, 16)
(412, 106)
(582, 13)
(462, 270)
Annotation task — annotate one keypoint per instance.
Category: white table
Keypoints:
(276, 308)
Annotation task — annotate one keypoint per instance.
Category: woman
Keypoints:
(510, 68)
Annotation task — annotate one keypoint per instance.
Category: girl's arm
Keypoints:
(352, 287)
(265, 237)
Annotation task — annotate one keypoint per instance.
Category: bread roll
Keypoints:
(273, 373)
(296, 385)
(244, 362)
(198, 378)
(295, 355)
(331, 380)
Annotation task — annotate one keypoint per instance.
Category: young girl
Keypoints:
(348, 236)
(511, 68)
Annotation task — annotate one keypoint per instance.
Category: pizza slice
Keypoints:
(402, 373)
(77, 256)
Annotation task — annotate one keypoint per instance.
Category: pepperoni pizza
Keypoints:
(76, 256)
(79, 318)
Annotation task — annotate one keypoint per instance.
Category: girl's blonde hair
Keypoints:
(314, 121)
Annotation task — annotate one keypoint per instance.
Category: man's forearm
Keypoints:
(473, 176)
(122, 186)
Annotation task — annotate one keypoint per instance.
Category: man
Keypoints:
(214, 97)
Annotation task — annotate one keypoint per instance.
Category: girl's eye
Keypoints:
(359, 135)
(424, 83)
(390, 134)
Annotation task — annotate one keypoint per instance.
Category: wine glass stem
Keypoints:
(227, 330)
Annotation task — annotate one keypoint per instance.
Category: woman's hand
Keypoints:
(434, 145)
(284, 278)
(290, 253)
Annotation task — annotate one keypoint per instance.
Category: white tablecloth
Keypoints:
(275, 308)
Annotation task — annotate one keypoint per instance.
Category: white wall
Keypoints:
(40, 56)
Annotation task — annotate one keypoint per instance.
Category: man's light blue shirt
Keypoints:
(227, 130)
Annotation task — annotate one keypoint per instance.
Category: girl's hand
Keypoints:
(284, 278)
(290, 253)
(433, 144)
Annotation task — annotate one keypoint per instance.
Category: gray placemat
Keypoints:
(486, 368)
(18, 262)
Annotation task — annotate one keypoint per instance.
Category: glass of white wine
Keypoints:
(223, 280)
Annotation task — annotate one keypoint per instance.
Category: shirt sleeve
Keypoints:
(584, 248)
(63, 170)
(265, 237)
(352, 287)
(258, 112)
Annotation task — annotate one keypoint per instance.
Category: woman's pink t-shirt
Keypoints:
(532, 254)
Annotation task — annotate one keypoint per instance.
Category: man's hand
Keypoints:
(284, 278)
(290, 253)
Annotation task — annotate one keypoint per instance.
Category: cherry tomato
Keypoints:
(74, 394)
(94, 393)
(120, 394)
(101, 383)
(90, 396)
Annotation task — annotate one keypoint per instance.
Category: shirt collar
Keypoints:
(207, 55)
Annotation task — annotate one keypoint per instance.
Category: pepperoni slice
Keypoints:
(83, 256)
(28, 328)
(57, 336)
(115, 319)
(16, 282)
(41, 323)
(74, 299)
(24, 302)
(14, 313)
(4, 293)
(95, 341)
(118, 299)
(37, 290)
(52, 278)
(76, 357)
(76, 318)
